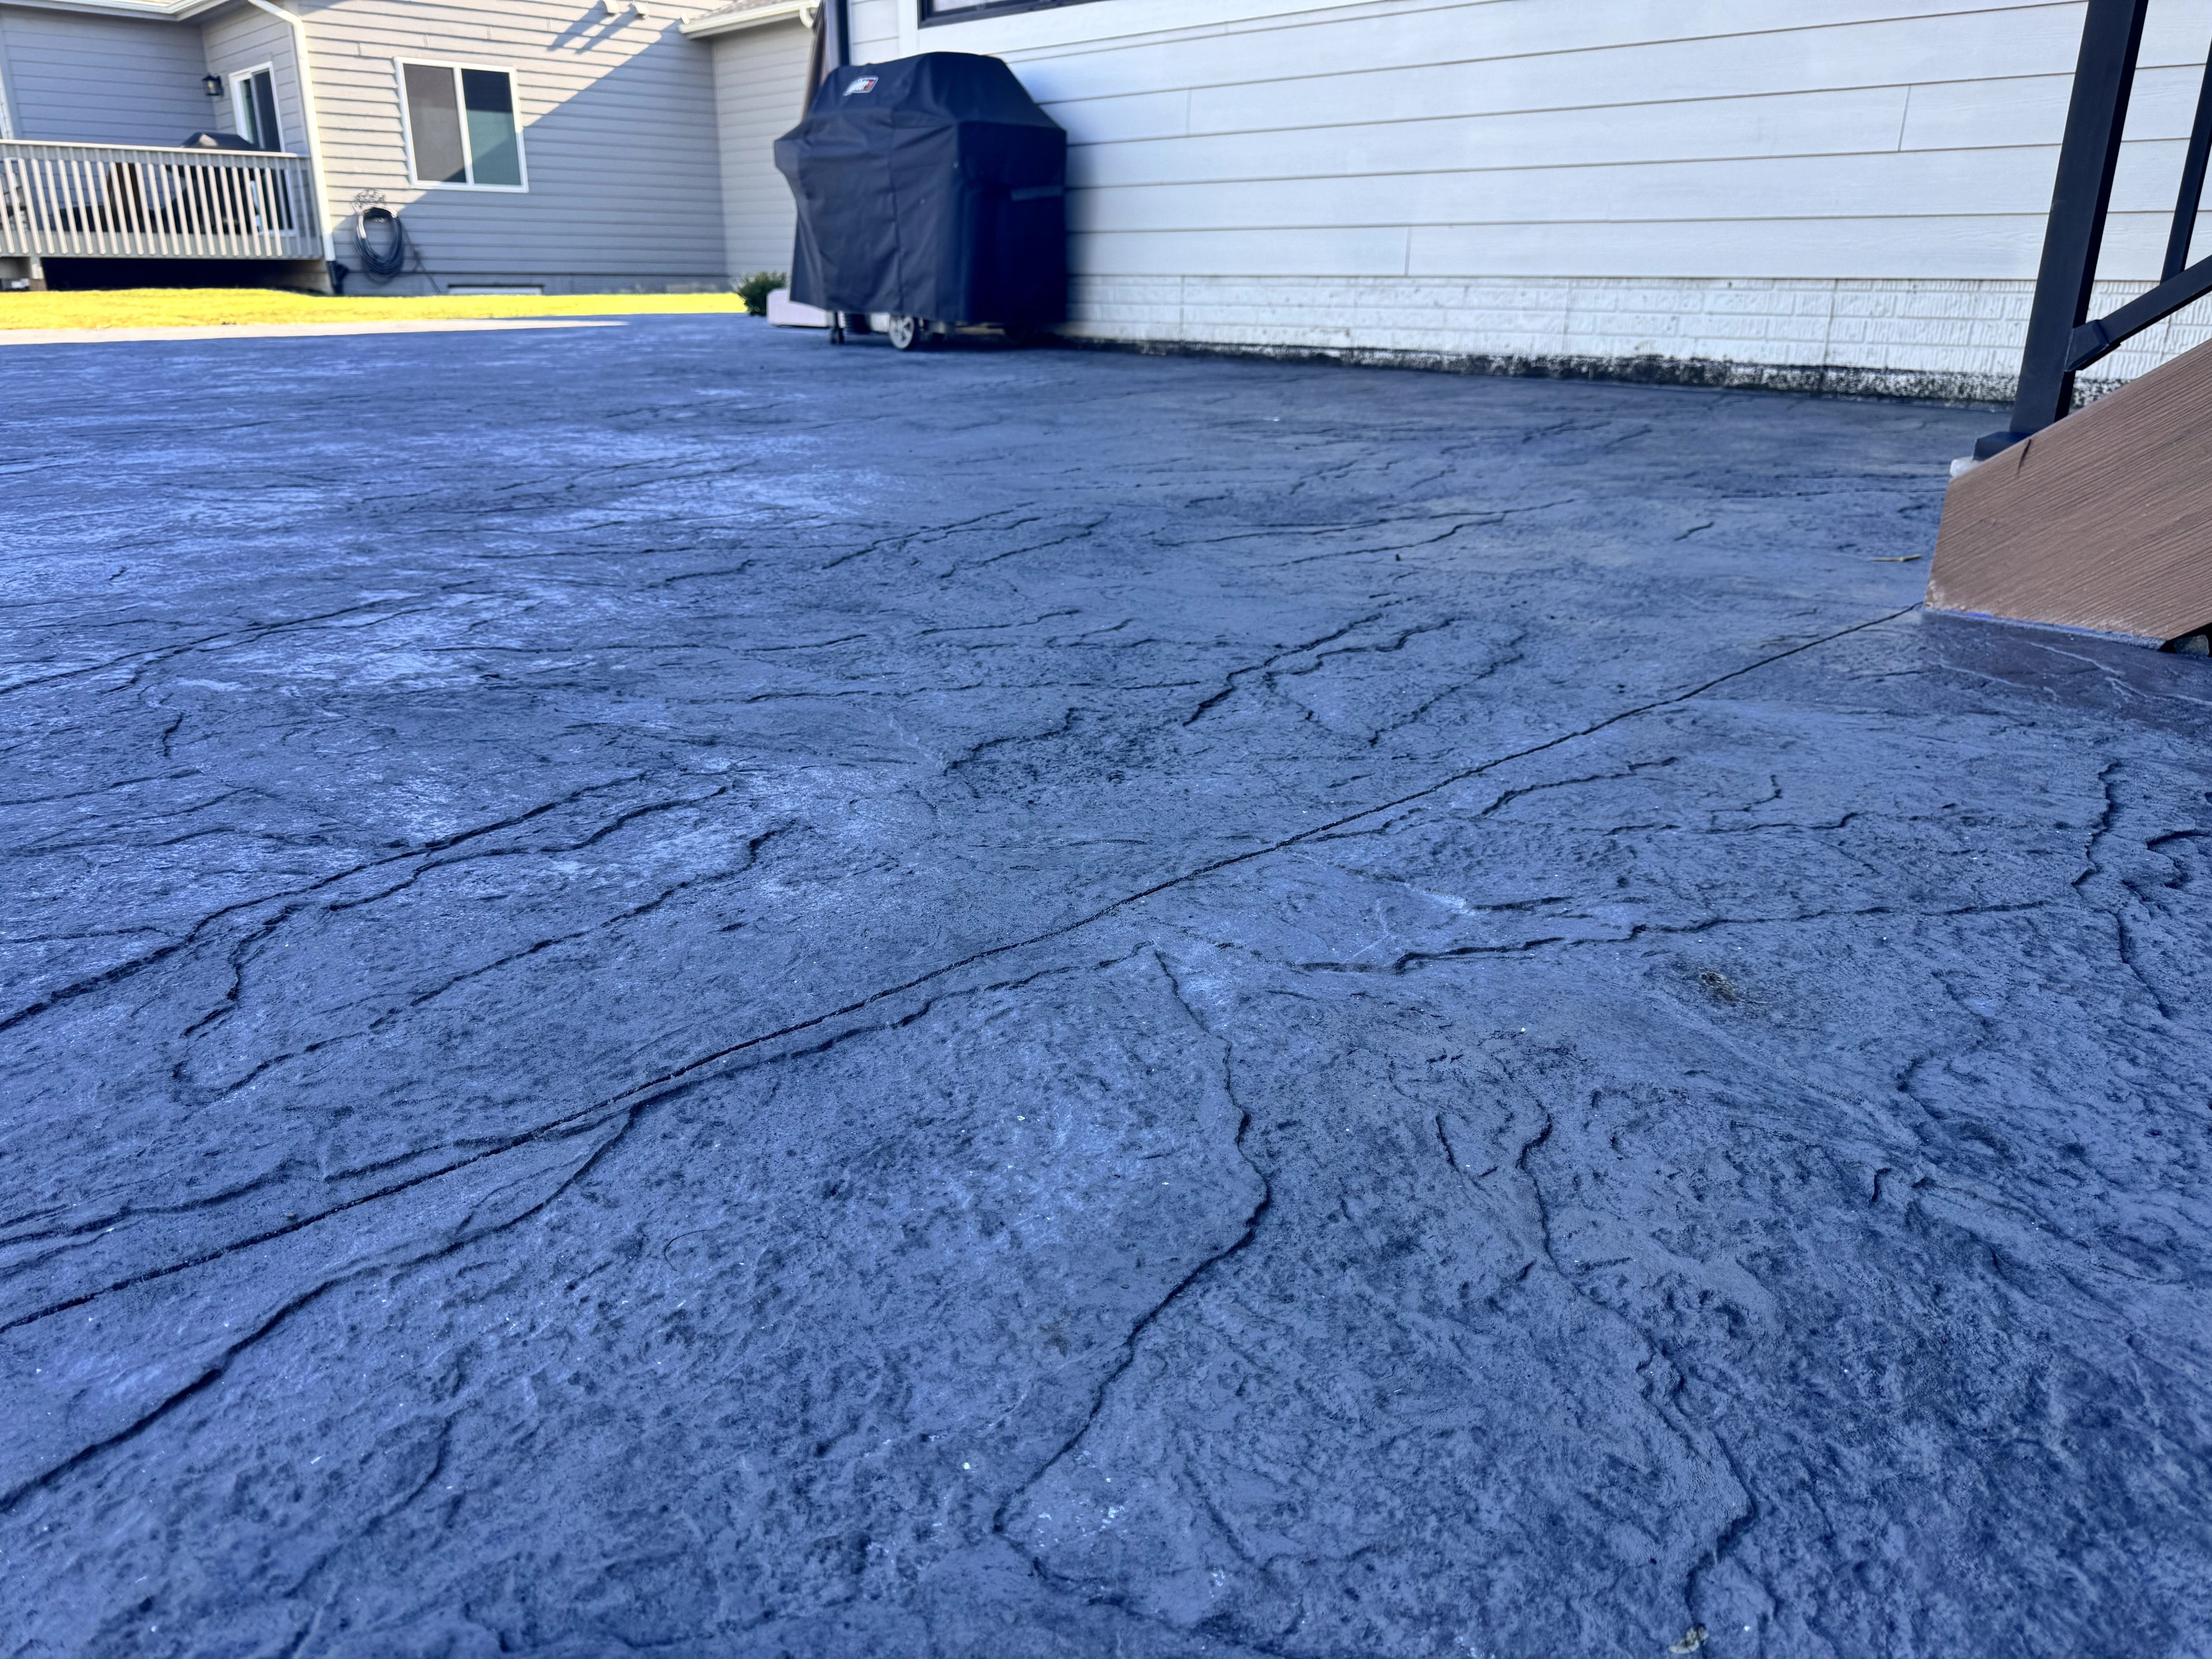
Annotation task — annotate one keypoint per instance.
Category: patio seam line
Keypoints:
(220, 1365)
(629, 1100)
(618, 1125)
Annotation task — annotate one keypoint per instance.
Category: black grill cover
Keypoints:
(932, 187)
(222, 141)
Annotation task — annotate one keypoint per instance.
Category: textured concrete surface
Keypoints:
(669, 990)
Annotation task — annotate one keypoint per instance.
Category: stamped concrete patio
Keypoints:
(672, 990)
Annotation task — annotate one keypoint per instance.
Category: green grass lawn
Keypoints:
(187, 307)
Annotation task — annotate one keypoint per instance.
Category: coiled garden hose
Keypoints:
(381, 267)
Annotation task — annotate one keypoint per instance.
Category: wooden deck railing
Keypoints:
(108, 201)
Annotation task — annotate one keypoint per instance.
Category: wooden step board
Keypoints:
(2102, 521)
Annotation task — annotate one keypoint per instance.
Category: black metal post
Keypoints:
(2192, 184)
(2111, 35)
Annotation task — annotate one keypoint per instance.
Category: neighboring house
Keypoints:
(558, 145)
(1847, 193)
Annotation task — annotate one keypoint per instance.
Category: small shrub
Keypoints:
(755, 288)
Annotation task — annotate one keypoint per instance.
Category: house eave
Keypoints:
(730, 19)
(171, 11)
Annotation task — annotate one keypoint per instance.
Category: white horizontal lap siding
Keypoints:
(1529, 156)
(1939, 116)
(1607, 133)
(760, 87)
(618, 122)
(73, 78)
(876, 28)
(1838, 192)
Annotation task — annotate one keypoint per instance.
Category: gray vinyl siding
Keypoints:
(73, 78)
(245, 39)
(760, 87)
(617, 121)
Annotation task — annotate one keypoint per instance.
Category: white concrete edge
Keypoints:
(784, 311)
(23, 337)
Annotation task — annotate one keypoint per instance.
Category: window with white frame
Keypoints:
(253, 108)
(951, 11)
(461, 128)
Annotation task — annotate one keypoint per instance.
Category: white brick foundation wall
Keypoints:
(1953, 339)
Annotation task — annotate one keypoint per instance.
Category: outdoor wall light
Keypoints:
(211, 85)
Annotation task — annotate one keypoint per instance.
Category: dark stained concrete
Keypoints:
(669, 990)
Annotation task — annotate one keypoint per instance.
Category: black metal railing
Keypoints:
(2063, 339)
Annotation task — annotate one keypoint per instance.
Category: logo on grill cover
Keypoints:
(865, 84)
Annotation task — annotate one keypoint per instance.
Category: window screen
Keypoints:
(488, 96)
(434, 125)
(461, 128)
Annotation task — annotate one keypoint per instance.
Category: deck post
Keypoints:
(2111, 35)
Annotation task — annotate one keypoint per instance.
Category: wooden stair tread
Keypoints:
(2102, 521)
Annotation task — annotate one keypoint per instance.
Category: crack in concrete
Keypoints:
(1229, 685)
(626, 1101)
(220, 1365)
(193, 932)
(1412, 959)
(1133, 1337)
(506, 959)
